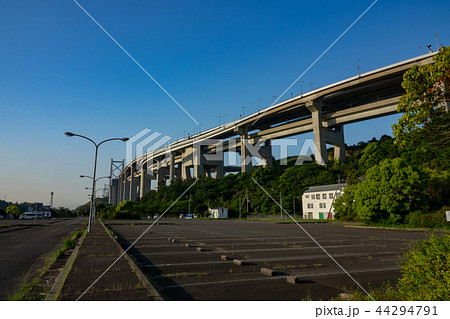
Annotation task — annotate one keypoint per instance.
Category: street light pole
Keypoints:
(123, 139)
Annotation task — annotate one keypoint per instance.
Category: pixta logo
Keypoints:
(142, 145)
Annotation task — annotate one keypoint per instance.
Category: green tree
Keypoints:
(391, 191)
(345, 205)
(13, 210)
(426, 118)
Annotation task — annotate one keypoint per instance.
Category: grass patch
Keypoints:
(183, 274)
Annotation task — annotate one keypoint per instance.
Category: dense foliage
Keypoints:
(425, 270)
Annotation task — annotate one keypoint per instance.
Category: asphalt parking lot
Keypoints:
(222, 259)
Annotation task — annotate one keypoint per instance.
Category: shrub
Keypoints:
(69, 243)
(425, 269)
(429, 220)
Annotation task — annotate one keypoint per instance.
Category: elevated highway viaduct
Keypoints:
(324, 112)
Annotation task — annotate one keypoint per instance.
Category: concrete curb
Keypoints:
(239, 262)
(59, 283)
(268, 272)
(292, 279)
(141, 276)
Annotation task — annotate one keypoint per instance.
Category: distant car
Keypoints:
(156, 216)
(150, 216)
(187, 216)
(30, 215)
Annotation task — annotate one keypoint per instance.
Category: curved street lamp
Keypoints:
(123, 139)
(96, 179)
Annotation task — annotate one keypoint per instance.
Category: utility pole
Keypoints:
(240, 207)
(246, 195)
(243, 111)
(357, 66)
(189, 211)
(281, 207)
(437, 45)
(293, 205)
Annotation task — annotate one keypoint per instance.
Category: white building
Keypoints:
(218, 212)
(317, 201)
(40, 210)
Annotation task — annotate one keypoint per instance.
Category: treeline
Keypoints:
(236, 192)
(387, 184)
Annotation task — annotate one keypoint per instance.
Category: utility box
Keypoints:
(218, 212)
(448, 215)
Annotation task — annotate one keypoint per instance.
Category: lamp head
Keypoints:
(69, 134)
(124, 139)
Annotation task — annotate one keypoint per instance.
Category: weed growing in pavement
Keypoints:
(184, 274)
(24, 293)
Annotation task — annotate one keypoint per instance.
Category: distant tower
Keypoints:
(51, 199)
(116, 169)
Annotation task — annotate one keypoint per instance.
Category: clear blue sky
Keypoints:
(59, 72)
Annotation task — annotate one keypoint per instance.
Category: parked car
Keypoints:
(156, 216)
(30, 215)
(187, 216)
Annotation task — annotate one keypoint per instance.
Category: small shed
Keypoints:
(218, 212)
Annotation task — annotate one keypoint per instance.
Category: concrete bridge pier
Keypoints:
(162, 175)
(145, 180)
(266, 154)
(126, 183)
(134, 182)
(122, 181)
(246, 158)
(339, 142)
(171, 166)
(324, 135)
(186, 163)
(113, 191)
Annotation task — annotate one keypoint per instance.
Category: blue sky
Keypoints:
(60, 72)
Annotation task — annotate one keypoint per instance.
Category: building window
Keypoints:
(324, 196)
(307, 196)
(313, 196)
(330, 195)
(310, 215)
(322, 205)
(338, 195)
(310, 205)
